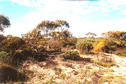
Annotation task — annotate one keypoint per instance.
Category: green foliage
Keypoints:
(114, 34)
(12, 44)
(49, 26)
(90, 34)
(35, 41)
(19, 56)
(105, 45)
(85, 45)
(17, 50)
(16, 59)
(61, 39)
(110, 45)
(4, 57)
(65, 38)
(70, 42)
(73, 55)
(37, 44)
(118, 36)
(4, 22)
(2, 37)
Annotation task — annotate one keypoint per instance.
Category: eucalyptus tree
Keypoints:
(4, 22)
(118, 36)
(90, 34)
(39, 37)
(53, 26)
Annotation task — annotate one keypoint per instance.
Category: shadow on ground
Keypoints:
(10, 74)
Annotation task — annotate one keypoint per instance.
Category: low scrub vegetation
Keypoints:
(85, 45)
(121, 54)
(73, 55)
(9, 74)
(104, 64)
(105, 45)
(46, 42)
(4, 57)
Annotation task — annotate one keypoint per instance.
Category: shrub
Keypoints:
(15, 43)
(71, 42)
(20, 55)
(12, 43)
(118, 36)
(56, 45)
(98, 46)
(2, 37)
(105, 64)
(85, 45)
(4, 57)
(10, 75)
(17, 50)
(40, 56)
(16, 59)
(73, 55)
(42, 43)
(105, 45)
(110, 45)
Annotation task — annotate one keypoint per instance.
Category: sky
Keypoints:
(84, 16)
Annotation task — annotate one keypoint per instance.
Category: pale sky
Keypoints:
(84, 16)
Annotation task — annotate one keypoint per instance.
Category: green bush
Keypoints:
(85, 45)
(4, 57)
(19, 56)
(73, 55)
(110, 45)
(16, 59)
(16, 49)
(71, 42)
(12, 43)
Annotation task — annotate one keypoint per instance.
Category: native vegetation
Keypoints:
(51, 42)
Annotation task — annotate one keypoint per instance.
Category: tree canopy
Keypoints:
(4, 22)
(118, 36)
(90, 34)
(49, 26)
(115, 34)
